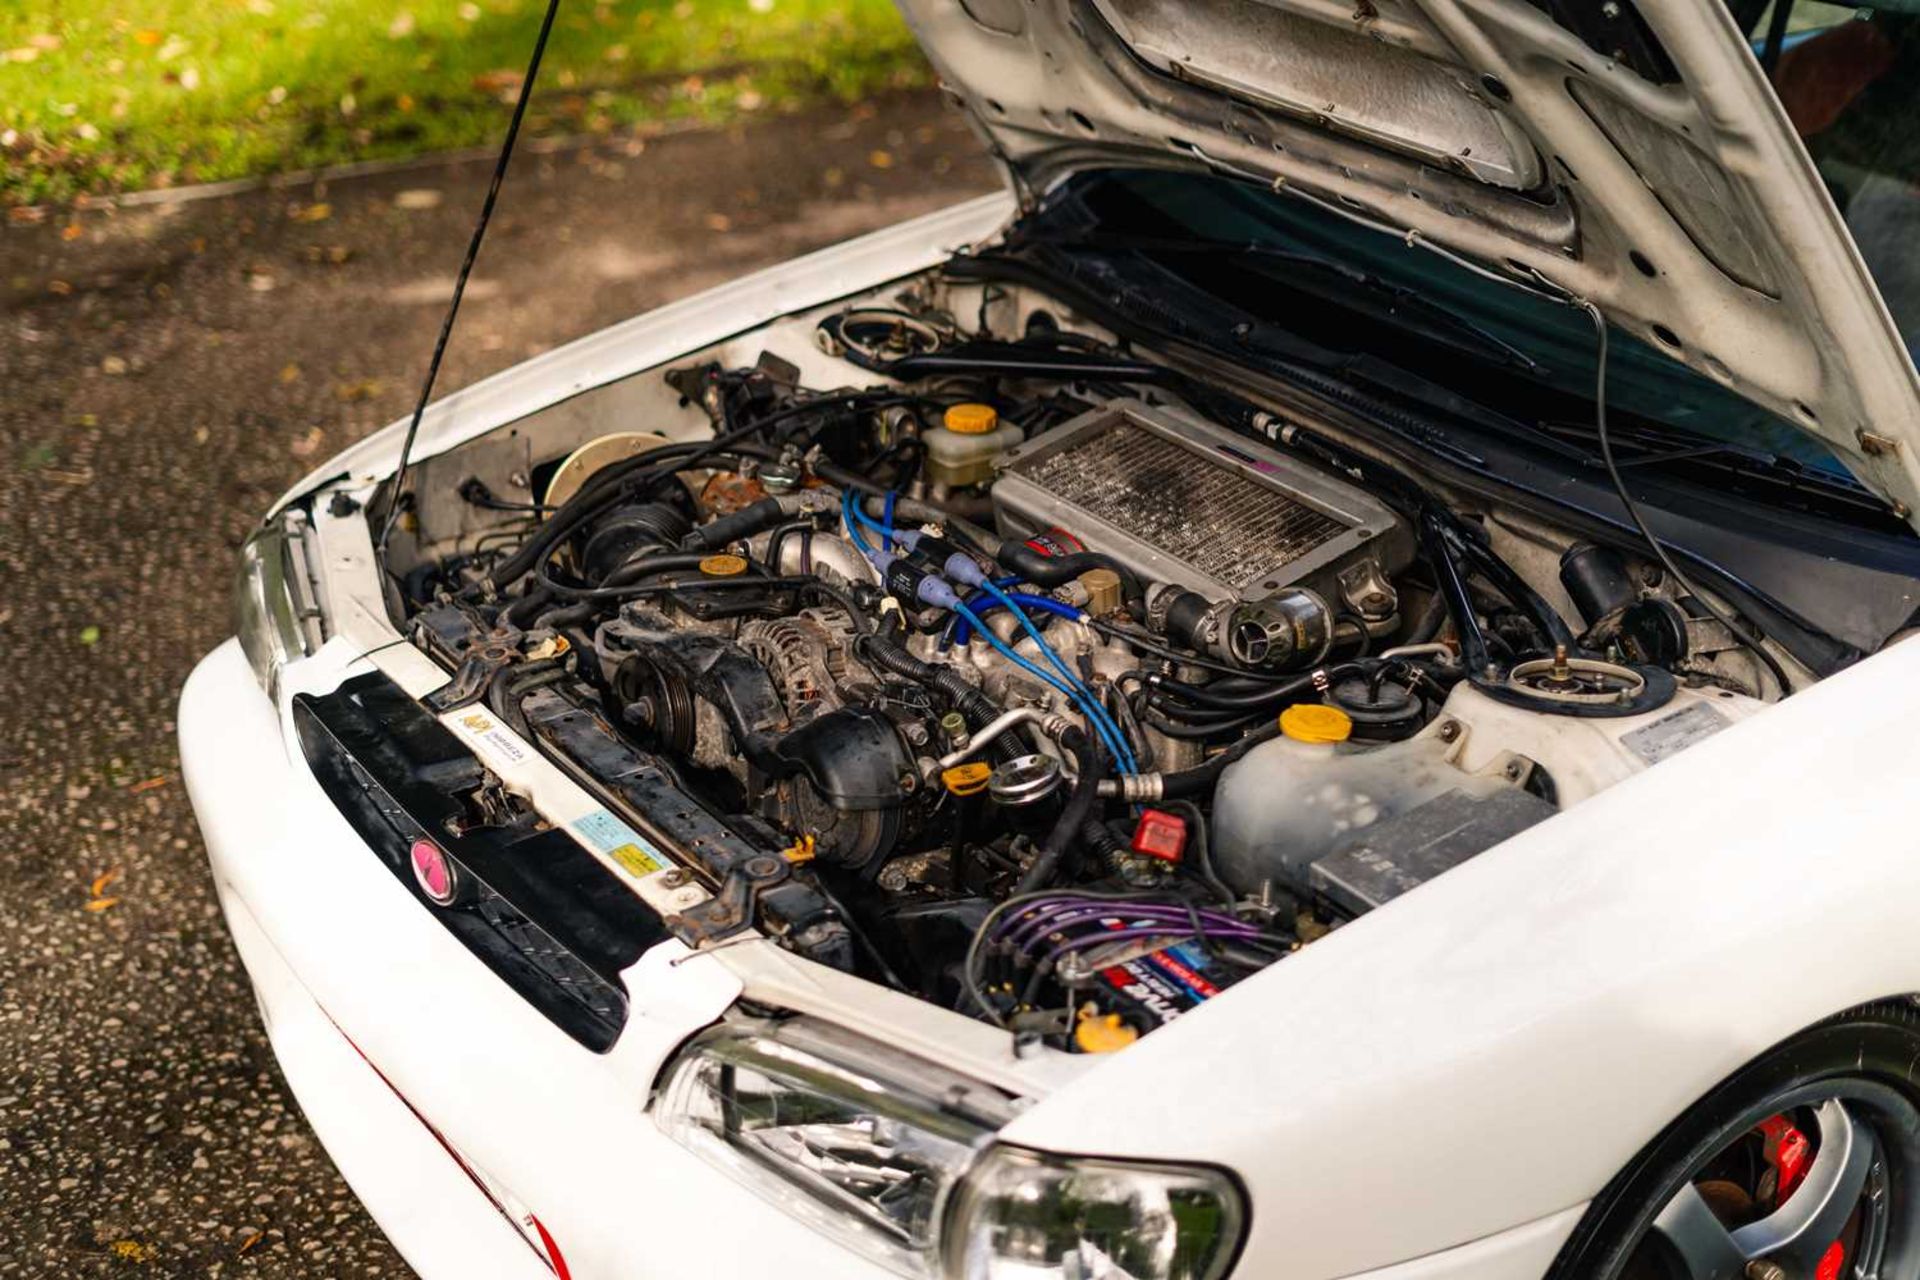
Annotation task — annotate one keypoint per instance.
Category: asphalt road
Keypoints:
(164, 374)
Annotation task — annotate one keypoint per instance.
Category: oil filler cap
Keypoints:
(971, 419)
(723, 566)
(1313, 722)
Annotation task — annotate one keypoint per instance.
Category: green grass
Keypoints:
(99, 96)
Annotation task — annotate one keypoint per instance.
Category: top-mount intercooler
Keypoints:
(1178, 499)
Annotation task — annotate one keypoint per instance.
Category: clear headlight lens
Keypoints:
(859, 1142)
(276, 612)
(1023, 1215)
(893, 1157)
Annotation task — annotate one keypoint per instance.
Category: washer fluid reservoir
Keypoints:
(1313, 792)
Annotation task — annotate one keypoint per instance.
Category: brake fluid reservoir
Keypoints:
(961, 450)
(1312, 790)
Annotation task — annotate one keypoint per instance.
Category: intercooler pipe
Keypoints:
(1054, 571)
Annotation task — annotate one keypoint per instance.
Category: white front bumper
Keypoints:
(346, 962)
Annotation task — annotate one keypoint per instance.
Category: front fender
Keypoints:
(665, 334)
(1492, 1048)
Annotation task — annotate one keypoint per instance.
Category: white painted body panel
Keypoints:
(1435, 1090)
(1492, 1048)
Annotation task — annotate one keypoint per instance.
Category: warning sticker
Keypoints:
(1670, 735)
(488, 732)
(633, 851)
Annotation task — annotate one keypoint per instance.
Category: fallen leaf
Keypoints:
(46, 43)
(418, 198)
(101, 881)
(59, 288)
(289, 374)
(309, 444)
(364, 389)
(318, 211)
(497, 81)
(147, 784)
(252, 1239)
(98, 905)
(260, 282)
(70, 232)
(719, 222)
(880, 159)
(114, 366)
(89, 636)
(25, 53)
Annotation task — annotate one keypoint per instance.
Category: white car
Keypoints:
(1311, 692)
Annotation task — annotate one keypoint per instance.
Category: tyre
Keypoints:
(1804, 1165)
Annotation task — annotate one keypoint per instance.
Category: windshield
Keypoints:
(1850, 81)
(1362, 292)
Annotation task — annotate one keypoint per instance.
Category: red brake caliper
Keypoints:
(1790, 1154)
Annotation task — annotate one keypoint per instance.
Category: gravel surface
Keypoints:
(166, 373)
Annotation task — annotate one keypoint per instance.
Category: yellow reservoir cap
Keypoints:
(1312, 722)
(972, 419)
(1102, 1033)
(723, 566)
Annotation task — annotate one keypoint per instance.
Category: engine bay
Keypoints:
(1033, 678)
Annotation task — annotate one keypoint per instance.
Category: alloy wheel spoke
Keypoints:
(1796, 1235)
(1698, 1238)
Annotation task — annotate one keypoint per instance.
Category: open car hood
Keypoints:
(1634, 157)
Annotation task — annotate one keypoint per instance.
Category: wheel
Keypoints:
(1805, 1165)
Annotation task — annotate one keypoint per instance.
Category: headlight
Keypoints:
(1042, 1217)
(894, 1157)
(859, 1142)
(276, 610)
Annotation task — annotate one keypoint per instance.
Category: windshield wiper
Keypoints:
(1396, 297)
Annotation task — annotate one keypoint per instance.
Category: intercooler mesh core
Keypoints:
(1200, 512)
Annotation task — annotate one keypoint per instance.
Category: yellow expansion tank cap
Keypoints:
(1311, 722)
(972, 419)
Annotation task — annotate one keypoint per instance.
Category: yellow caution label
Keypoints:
(635, 859)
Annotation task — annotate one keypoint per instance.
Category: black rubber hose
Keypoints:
(1427, 626)
(1204, 696)
(606, 486)
(744, 523)
(1199, 781)
(1054, 571)
(528, 607)
(884, 649)
(1102, 839)
(1079, 807)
